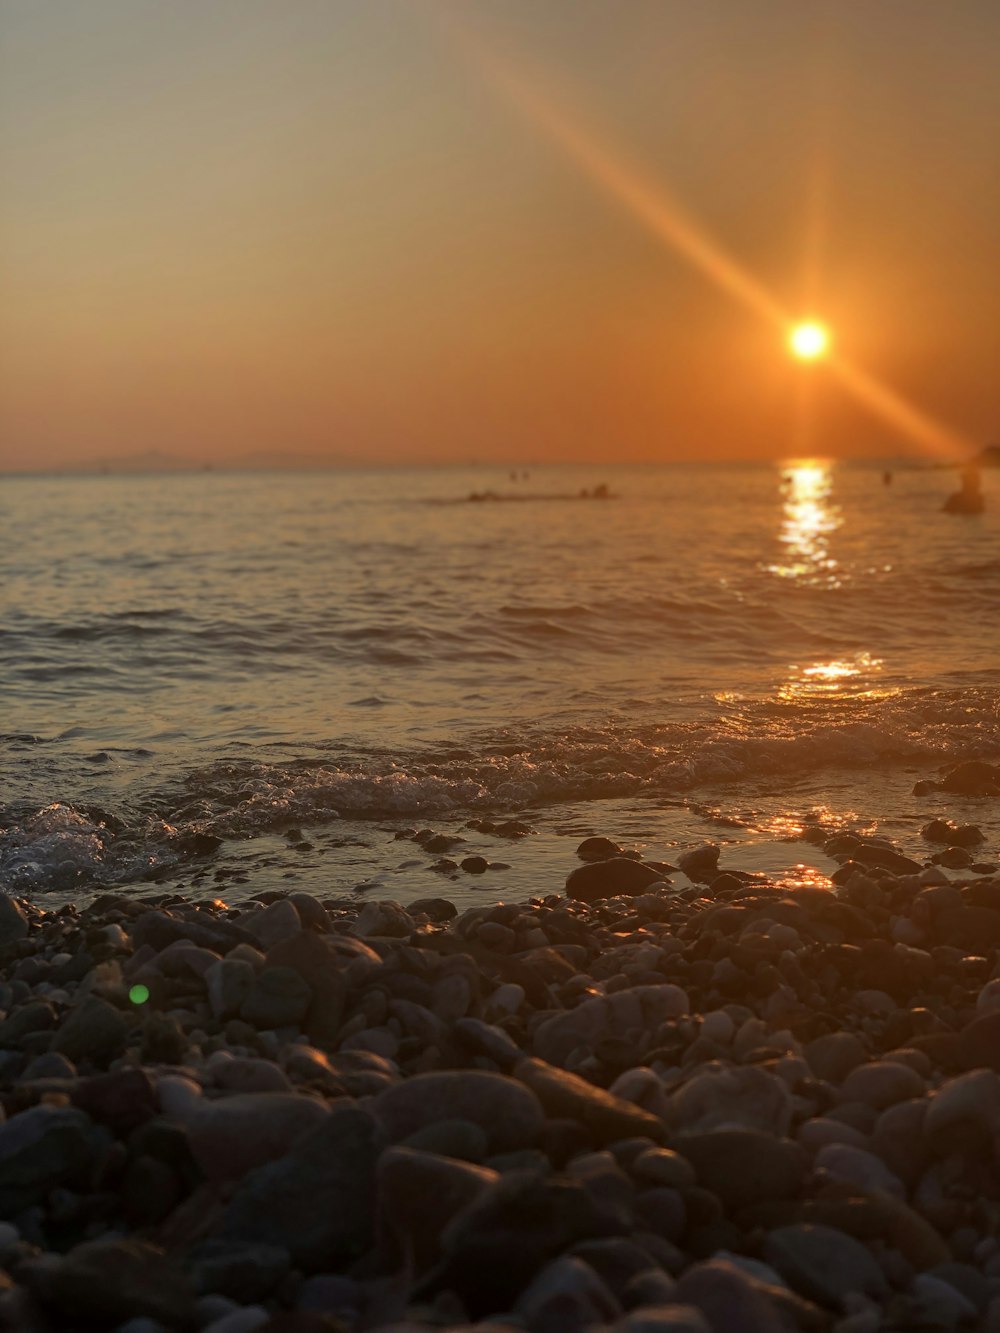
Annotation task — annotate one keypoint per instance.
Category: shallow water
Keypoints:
(715, 652)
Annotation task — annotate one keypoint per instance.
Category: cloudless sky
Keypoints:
(317, 227)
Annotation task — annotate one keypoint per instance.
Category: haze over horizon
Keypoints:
(320, 228)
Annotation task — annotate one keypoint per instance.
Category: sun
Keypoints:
(809, 340)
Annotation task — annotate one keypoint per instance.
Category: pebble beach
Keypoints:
(666, 1095)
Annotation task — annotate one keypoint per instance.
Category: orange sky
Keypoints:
(320, 227)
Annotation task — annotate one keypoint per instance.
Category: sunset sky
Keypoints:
(330, 227)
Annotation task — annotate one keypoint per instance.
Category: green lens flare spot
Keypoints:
(139, 994)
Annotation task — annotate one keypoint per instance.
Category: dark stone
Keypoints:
(984, 893)
(833, 1056)
(74, 969)
(496, 1245)
(31, 970)
(824, 1264)
(244, 1272)
(475, 865)
(953, 858)
(700, 863)
(169, 1143)
(159, 929)
(725, 885)
(979, 1043)
(609, 879)
(598, 849)
(418, 1194)
(440, 842)
(303, 1321)
(233, 1135)
(311, 913)
(563, 1140)
(313, 957)
(938, 830)
(112, 1281)
(460, 1139)
(13, 922)
(953, 835)
(615, 1259)
(485, 1039)
(122, 1099)
(318, 1201)
(968, 835)
(279, 997)
(150, 1191)
(966, 1279)
(885, 858)
(163, 1040)
(973, 778)
(94, 1031)
(435, 909)
(662, 1211)
(496, 936)
(744, 1166)
(654, 1287)
(45, 1147)
(566, 1096)
(198, 844)
(975, 928)
(36, 1016)
(730, 1298)
(507, 1111)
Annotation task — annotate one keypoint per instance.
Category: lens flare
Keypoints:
(809, 340)
(650, 204)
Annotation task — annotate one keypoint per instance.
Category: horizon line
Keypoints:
(168, 468)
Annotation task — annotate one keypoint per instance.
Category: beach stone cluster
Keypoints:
(704, 1105)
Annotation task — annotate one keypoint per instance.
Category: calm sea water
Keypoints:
(306, 664)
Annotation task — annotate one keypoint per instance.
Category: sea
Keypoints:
(349, 682)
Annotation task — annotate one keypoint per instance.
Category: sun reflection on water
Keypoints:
(808, 518)
(803, 877)
(855, 676)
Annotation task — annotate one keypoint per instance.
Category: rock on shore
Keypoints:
(713, 1106)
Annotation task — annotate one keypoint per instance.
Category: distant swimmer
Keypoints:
(968, 500)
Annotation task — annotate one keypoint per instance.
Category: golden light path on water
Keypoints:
(843, 675)
(652, 205)
(809, 516)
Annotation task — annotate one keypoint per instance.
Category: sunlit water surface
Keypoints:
(306, 664)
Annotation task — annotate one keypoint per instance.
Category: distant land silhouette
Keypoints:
(158, 460)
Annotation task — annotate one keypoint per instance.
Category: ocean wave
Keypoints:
(455, 618)
(60, 847)
(505, 771)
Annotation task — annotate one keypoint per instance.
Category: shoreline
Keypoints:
(731, 1105)
(73, 852)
